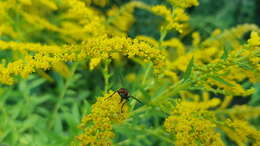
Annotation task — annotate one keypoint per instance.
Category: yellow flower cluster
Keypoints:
(192, 124)
(241, 132)
(94, 62)
(97, 125)
(174, 19)
(90, 22)
(46, 56)
(184, 3)
(254, 39)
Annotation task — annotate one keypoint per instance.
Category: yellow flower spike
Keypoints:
(161, 10)
(196, 39)
(205, 96)
(97, 125)
(216, 32)
(241, 132)
(151, 41)
(94, 62)
(191, 123)
(184, 3)
(244, 112)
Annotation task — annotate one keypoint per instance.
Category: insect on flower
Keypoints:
(124, 94)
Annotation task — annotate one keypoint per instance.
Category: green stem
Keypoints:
(106, 75)
(146, 73)
(162, 36)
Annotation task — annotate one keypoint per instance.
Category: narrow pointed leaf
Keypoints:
(222, 81)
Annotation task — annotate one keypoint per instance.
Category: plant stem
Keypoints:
(162, 36)
(147, 70)
(106, 75)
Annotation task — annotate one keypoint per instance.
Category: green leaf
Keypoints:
(188, 71)
(222, 81)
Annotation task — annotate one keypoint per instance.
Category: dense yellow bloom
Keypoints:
(45, 58)
(192, 124)
(103, 47)
(97, 125)
(184, 3)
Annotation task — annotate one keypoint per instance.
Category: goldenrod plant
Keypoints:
(116, 72)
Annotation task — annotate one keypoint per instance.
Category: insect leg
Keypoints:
(123, 105)
(111, 95)
(136, 99)
(121, 99)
